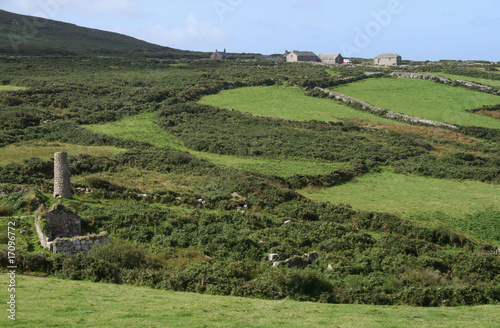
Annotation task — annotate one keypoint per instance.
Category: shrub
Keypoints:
(5, 211)
(123, 254)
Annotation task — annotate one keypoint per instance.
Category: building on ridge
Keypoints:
(219, 55)
(388, 59)
(302, 56)
(331, 59)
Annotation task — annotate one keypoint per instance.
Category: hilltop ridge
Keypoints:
(30, 35)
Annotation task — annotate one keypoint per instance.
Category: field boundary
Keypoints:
(385, 112)
(441, 79)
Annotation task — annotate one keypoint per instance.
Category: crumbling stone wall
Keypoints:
(421, 76)
(59, 230)
(386, 113)
(62, 223)
(83, 244)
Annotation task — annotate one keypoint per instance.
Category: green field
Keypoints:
(286, 102)
(49, 302)
(424, 99)
(143, 127)
(408, 195)
(493, 83)
(10, 88)
(17, 153)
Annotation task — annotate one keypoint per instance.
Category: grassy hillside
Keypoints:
(18, 153)
(420, 198)
(143, 127)
(196, 197)
(286, 102)
(84, 304)
(424, 99)
(28, 35)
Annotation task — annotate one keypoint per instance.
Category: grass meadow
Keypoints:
(424, 99)
(412, 196)
(18, 153)
(143, 127)
(404, 194)
(289, 103)
(49, 302)
(10, 88)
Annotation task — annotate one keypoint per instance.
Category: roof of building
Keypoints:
(329, 56)
(304, 53)
(387, 55)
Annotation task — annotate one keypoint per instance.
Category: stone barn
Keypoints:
(388, 59)
(302, 56)
(219, 55)
(331, 59)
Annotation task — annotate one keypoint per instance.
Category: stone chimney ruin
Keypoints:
(62, 187)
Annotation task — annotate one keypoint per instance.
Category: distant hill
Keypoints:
(28, 35)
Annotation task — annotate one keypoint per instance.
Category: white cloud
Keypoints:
(193, 35)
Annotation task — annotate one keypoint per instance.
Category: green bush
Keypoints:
(123, 254)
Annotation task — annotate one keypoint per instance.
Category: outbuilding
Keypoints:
(331, 59)
(302, 56)
(388, 59)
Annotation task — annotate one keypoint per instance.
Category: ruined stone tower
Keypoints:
(62, 187)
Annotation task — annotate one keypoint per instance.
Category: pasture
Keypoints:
(50, 302)
(414, 196)
(18, 153)
(10, 88)
(289, 103)
(424, 99)
(144, 128)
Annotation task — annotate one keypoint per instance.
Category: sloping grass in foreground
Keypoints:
(424, 99)
(143, 127)
(412, 195)
(49, 302)
(289, 103)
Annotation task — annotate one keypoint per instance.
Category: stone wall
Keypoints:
(59, 231)
(62, 223)
(475, 85)
(421, 76)
(386, 113)
(81, 244)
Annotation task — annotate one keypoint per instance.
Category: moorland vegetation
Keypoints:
(185, 214)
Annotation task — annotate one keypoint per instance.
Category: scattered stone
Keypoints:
(273, 256)
(298, 261)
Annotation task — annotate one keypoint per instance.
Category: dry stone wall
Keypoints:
(81, 244)
(386, 113)
(59, 230)
(421, 76)
(62, 223)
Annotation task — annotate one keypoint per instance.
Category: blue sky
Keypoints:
(415, 29)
